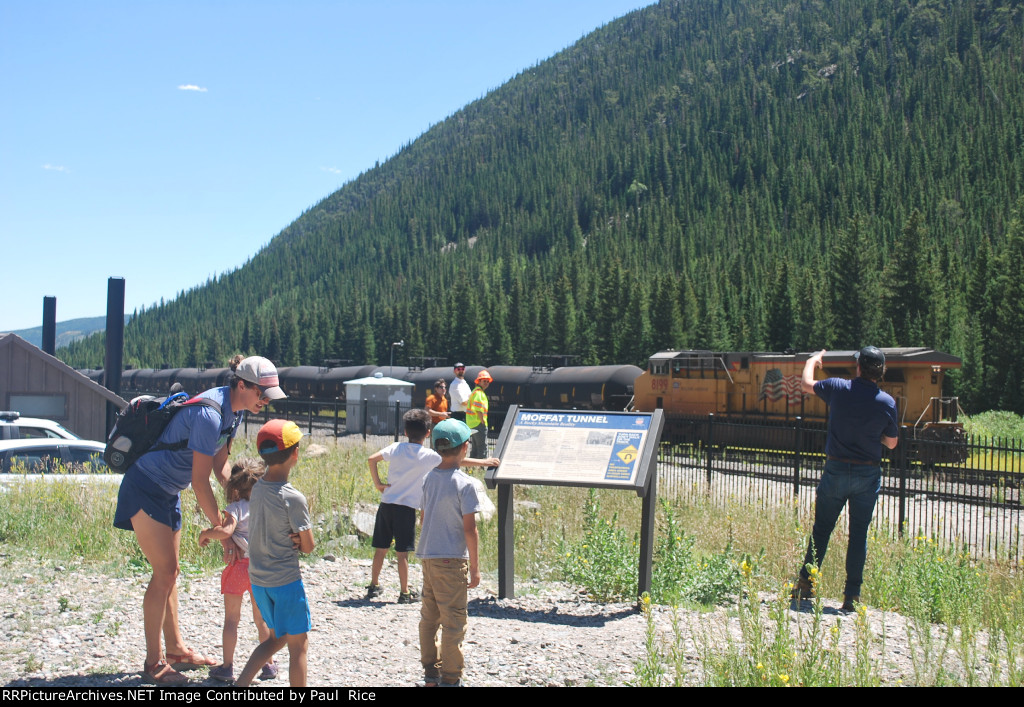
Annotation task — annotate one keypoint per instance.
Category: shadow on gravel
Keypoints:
(197, 678)
(362, 603)
(806, 606)
(590, 614)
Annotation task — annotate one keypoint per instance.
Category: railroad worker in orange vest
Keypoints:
(476, 415)
(861, 420)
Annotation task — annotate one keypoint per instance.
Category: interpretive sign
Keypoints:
(576, 448)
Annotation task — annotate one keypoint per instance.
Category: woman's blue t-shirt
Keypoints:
(206, 432)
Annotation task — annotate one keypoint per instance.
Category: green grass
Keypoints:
(996, 423)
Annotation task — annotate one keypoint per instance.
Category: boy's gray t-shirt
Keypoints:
(276, 510)
(448, 494)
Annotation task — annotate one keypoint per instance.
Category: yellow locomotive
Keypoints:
(756, 387)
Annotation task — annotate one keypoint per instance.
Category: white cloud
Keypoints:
(332, 170)
(191, 87)
(56, 168)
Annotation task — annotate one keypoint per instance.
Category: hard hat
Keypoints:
(483, 376)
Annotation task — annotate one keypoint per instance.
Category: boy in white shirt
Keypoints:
(409, 462)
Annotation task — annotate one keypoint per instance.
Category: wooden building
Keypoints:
(37, 384)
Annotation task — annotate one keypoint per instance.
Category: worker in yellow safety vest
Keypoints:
(476, 415)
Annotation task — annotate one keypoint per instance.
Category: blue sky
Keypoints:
(166, 142)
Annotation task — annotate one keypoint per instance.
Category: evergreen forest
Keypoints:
(709, 174)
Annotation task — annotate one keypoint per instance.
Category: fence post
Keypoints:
(310, 417)
(799, 434)
(901, 461)
(710, 446)
(398, 417)
(366, 416)
(336, 411)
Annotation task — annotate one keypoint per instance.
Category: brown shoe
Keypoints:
(802, 589)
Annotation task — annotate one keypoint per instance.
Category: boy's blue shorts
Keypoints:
(139, 492)
(285, 609)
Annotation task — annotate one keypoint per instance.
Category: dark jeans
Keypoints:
(842, 483)
(478, 442)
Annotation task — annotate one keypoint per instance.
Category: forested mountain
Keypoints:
(724, 174)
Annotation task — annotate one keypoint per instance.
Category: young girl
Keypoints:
(234, 580)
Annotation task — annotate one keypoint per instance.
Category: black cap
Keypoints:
(870, 358)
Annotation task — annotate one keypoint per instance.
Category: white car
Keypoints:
(14, 426)
(50, 459)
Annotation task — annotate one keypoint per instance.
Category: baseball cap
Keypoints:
(261, 371)
(460, 364)
(449, 434)
(276, 436)
(870, 358)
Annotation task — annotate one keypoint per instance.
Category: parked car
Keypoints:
(14, 426)
(71, 459)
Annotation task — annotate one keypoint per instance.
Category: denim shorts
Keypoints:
(139, 492)
(285, 609)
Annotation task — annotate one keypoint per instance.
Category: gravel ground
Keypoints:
(72, 626)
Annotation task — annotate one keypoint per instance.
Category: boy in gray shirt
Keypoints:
(279, 528)
(448, 554)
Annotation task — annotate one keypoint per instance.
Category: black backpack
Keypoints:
(138, 427)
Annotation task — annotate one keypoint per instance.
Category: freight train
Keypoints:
(748, 388)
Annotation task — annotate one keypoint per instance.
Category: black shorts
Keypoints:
(398, 522)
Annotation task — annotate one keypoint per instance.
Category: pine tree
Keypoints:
(780, 311)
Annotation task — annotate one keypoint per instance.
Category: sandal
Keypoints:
(189, 660)
(160, 673)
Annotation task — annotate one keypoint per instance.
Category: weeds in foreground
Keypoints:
(773, 651)
(604, 561)
(931, 584)
(650, 670)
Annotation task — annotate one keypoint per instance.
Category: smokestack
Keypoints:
(115, 342)
(49, 325)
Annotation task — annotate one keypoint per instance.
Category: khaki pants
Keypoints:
(444, 606)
